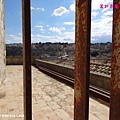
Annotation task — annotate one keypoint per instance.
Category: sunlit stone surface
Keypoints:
(2, 43)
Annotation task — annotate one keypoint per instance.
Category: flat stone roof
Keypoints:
(52, 100)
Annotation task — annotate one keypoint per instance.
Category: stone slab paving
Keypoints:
(52, 100)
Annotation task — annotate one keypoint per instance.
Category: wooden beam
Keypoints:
(82, 59)
(27, 83)
(115, 68)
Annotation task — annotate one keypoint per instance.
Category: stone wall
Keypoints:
(98, 80)
(17, 60)
(105, 61)
(2, 44)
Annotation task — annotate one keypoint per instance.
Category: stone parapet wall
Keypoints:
(17, 60)
(99, 80)
(2, 44)
(102, 61)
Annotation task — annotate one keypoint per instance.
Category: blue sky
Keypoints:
(54, 21)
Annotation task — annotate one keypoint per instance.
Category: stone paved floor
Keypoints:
(52, 100)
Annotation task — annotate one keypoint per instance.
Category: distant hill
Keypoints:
(44, 50)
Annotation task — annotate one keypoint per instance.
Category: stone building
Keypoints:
(2, 43)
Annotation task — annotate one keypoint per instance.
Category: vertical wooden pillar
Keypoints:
(115, 68)
(82, 59)
(26, 32)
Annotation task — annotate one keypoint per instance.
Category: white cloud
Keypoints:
(94, 14)
(19, 33)
(7, 41)
(103, 10)
(41, 27)
(15, 38)
(65, 37)
(42, 9)
(102, 28)
(60, 11)
(73, 28)
(69, 23)
(32, 8)
(96, 3)
(32, 35)
(48, 25)
(57, 30)
(69, 35)
(62, 28)
(72, 7)
(107, 14)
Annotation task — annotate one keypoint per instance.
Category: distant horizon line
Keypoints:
(57, 42)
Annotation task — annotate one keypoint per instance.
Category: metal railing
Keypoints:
(82, 61)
